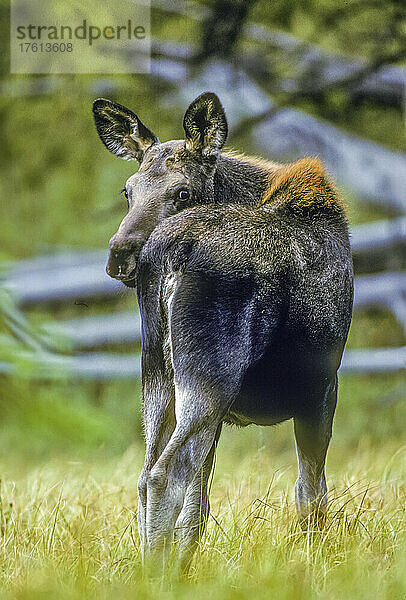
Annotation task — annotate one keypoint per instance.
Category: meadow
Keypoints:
(71, 452)
(69, 471)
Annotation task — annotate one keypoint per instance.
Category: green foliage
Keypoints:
(353, 28)
(62, 186)
(375, 328)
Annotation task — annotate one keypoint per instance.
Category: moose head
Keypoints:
(172, 175)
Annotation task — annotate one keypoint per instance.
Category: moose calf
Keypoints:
(244, 279)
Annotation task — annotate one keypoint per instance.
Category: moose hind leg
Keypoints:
(197, 422)
(191, 521)
(313, 434)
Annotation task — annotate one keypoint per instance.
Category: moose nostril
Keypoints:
(118, 263)
(115, 263)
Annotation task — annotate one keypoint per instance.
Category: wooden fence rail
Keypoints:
(74, 276)
(106, 366)
(67, 281)
(368, 169)
(386, 289)
(77, 275)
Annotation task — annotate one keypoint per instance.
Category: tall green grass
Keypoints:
(68, 522)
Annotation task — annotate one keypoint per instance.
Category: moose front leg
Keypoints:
(181, 462)
(313, 436)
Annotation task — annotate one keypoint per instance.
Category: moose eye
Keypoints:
(124, 191)
(183, 194)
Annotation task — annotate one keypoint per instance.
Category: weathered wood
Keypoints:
(62, 277)
(378, 235)
(387, 289)
(74, 275)
(100, 366)
(87, 332)
(370, 171)
(379, 289)
(105, 367)
(388, 85)
(313, 66)
(374, 360)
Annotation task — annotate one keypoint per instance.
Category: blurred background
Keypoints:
(307, 77)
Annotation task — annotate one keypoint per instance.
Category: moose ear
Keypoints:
(121, 131)
(205, 124)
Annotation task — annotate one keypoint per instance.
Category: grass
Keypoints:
(67, 516)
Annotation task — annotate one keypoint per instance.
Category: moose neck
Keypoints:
(241, 180)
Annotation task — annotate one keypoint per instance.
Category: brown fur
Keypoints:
(303, 186)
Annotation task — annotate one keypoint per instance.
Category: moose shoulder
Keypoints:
(244, 279)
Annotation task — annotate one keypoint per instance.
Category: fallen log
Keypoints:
(367, 169)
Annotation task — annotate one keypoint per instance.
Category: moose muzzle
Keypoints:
(122, 262)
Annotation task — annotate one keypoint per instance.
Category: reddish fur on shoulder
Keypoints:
(304, 187)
